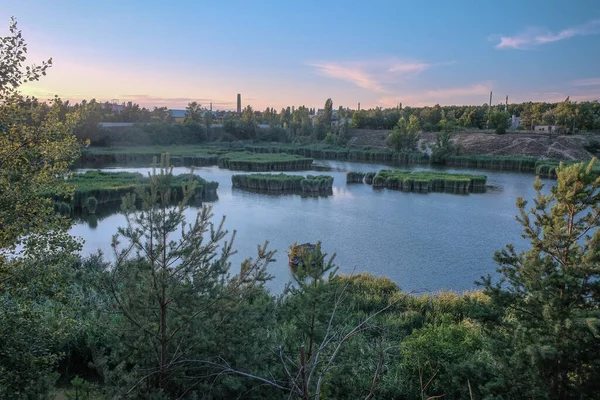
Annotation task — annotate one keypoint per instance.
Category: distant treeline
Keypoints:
(158, 127)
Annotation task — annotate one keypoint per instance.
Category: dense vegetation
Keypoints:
(283, 182)
(428, 181)
(96, 188)
(168, 317)
(245, 161)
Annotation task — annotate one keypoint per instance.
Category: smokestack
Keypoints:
(359, 106)
(490, 107)
(506, 105)
(239, 103)
(211, 106)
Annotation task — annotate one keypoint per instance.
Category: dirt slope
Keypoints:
(571, 147)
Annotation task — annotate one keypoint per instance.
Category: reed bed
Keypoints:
(283, 182)
(246, 161)
(369, 177)
(355, 177)
(341, 153)
(190, 156)
(94, 189)
(508, 163)
(547, 168)
(428, 181)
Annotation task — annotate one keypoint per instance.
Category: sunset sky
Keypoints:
(279, 53)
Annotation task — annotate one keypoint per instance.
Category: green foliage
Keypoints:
(98, 188)
(446, 359)
(166, 288)
(426, 181)
(546, 307)
(151, 134)
(405, 135)
(246, 161)
(36, 149)
(283, 182)
(443, 148)
(498, 120)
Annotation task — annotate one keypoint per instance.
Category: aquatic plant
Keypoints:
(246, 161)
(96, 188)
(283, 182)
(429, 181)
(355, 177)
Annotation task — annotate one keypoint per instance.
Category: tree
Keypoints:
(356, 122)
(443, 147)
(547, 318)
(405, 135)
(328, 113)
(193, 112)
(37, 147)
(165, 286)
(498, 120)
(36, 150)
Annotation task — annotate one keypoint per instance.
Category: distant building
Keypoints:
(177, 115)
(545, 128)
(239, 103)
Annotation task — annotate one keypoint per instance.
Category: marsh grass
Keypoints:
(429, 181)
(261, 162)
(94, 189)
(283, 182)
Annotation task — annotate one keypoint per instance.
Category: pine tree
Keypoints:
(548, 300)
(169, 277)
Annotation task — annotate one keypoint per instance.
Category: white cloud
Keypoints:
(533, 37)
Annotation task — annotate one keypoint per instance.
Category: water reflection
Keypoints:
(432, 241)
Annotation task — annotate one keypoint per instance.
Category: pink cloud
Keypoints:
(532, 37)
(587, 82)
(454, 95)
(375, 75)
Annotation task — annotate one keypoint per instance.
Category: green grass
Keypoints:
(110, 187)
(283, 182)
(246, 161)
(429, 181)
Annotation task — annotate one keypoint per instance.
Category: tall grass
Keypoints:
(246, 161)
(428, 181)
(93, 189)
(283, 182)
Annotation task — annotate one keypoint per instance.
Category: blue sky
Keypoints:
(279, 53)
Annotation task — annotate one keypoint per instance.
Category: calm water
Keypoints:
(421, 241)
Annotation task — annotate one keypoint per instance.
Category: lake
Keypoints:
(423, 242)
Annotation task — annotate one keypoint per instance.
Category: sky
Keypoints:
(284, 53)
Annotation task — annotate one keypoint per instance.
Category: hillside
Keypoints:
(568, 147)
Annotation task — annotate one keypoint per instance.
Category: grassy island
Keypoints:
(331, 152)
(283, 182)
(428, 181)
(246, 161)
(189, 156)
(94, 189)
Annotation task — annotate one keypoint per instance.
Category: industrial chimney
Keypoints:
(239, 103)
